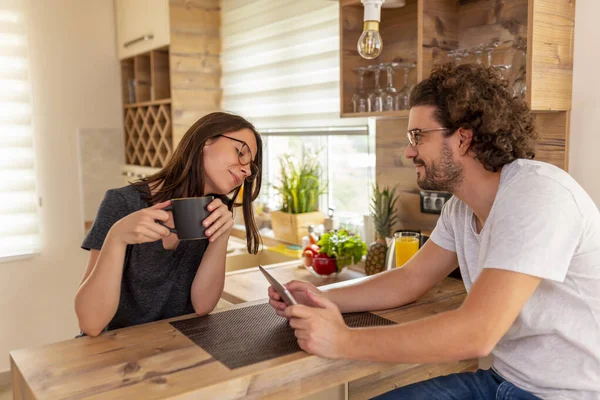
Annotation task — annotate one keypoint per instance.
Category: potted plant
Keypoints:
(383, 211)
(337, 250)
(300, 188)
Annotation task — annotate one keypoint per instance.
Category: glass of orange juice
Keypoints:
(407, 244)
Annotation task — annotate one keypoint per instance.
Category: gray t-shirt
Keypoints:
(542, 223)
(156, 283)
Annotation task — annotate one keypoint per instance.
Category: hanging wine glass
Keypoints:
(489, 50)
(457, 55)
(477, 51)
(519, 86)
(519, 58)
(519, 66)
(360, 98)
(376, 95)
(389, 94)
(403, 95)
(503, 68)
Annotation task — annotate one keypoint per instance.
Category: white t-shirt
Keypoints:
(542, 223)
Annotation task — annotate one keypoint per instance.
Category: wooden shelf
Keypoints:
(147, 120)
(148, 103)
(384, 114)
(148, 135)
(423, 31)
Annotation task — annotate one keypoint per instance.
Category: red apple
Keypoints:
(324, 265)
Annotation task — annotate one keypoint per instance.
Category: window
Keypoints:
(281, 70)
(348, 164)
(19, 220)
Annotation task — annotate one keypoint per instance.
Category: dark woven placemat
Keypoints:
(249, 335)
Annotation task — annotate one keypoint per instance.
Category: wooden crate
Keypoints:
(291, 228)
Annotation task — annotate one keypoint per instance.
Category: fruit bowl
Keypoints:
(327, 267)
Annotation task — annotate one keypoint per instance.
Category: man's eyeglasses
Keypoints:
(245, 157)
(415, 134)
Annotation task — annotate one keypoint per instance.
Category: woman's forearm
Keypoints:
(97, 298)
(210, 278)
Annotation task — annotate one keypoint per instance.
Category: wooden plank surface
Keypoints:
(553, 129)
(551, 45)
(155, 361)
(438, 32)
(194, 61)
(250, 284)
(402, 375)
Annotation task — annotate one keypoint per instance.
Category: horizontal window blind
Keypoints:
(281, 63)
(19, 218)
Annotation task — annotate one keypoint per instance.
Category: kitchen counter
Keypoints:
(155, 361)
(250, 284)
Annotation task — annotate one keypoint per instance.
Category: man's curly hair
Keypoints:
(473, 97)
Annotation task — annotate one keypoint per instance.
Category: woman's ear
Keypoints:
(210, 141)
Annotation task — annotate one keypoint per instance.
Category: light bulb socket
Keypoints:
(371, 26)
(372, 10)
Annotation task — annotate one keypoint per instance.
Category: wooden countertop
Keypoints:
(250, 284)
(155, 361)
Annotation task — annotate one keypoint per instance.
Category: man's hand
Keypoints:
(298, 289)
(320, 330)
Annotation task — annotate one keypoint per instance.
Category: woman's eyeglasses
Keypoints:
(245, 157)
(415, 134)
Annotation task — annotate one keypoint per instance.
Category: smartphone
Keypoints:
(281, 290)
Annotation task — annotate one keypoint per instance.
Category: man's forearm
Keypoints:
(445, 337)
(385, 290)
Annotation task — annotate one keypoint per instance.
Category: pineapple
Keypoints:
(383, 211)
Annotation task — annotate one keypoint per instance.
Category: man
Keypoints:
(525, 235)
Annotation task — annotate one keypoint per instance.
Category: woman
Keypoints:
(138, 271)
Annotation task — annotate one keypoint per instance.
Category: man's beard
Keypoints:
(444, 175)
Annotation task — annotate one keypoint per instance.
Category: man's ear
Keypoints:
(465, 137)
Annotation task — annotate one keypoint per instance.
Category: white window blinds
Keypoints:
(281, 63)
(19, 220)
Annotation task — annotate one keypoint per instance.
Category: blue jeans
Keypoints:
(482, 384)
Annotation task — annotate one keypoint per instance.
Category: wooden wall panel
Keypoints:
(552, 146)
(438, 31)
(550, 42)
(195, 61)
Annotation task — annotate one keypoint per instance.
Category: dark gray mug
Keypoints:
(188, 214)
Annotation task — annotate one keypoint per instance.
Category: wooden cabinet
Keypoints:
(171, 80)
(142, 25)
(425, 31)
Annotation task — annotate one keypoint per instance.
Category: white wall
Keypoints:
(584, 160)
(75, 75)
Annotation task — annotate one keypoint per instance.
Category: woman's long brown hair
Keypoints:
(183, 176)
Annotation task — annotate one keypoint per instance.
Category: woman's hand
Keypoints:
(141, 226)
(219, 222)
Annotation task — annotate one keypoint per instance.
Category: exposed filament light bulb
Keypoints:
(370, 43)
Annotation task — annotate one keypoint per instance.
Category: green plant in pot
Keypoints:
(299, 188)
(383, 211)
(337, 250)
